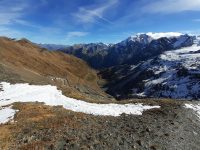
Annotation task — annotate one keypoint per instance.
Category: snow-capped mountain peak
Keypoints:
(141, 38)
(159, 35)
(147, 38)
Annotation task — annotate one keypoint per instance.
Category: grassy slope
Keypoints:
(25, 62)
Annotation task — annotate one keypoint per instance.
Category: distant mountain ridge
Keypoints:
(130, 51)
(52, 47)
(146, 65)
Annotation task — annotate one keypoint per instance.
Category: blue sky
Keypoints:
(85, 21)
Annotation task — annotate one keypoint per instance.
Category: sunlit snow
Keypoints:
(51, 96)
(6, 114)
(195, 107)
(166, 73)
(163, 34)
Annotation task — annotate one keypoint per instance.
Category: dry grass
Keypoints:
(45, 116)
(5, 136)
(33, 117)
(29, 63)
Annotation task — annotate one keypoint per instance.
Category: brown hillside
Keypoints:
(26, 62)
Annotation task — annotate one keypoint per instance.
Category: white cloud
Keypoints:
(89, 15)
(11, 11)
(172, 6)
(76, 34)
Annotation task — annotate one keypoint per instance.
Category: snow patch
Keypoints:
(50, 95)
(195, 107)
(6, 114)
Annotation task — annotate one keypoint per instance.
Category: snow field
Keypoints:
(50, 95)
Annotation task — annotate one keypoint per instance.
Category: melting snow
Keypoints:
(6, 114)
(53, 97)
(195, 107)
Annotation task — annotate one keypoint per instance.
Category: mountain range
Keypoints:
(146, 65)
(132, 50)
(53, 46)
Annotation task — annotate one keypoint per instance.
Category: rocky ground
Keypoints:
(38, 126)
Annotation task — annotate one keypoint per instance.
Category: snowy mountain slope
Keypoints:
(132, 50)
(171, 39)
(146, 38)
(176, 72)
(173, 74)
